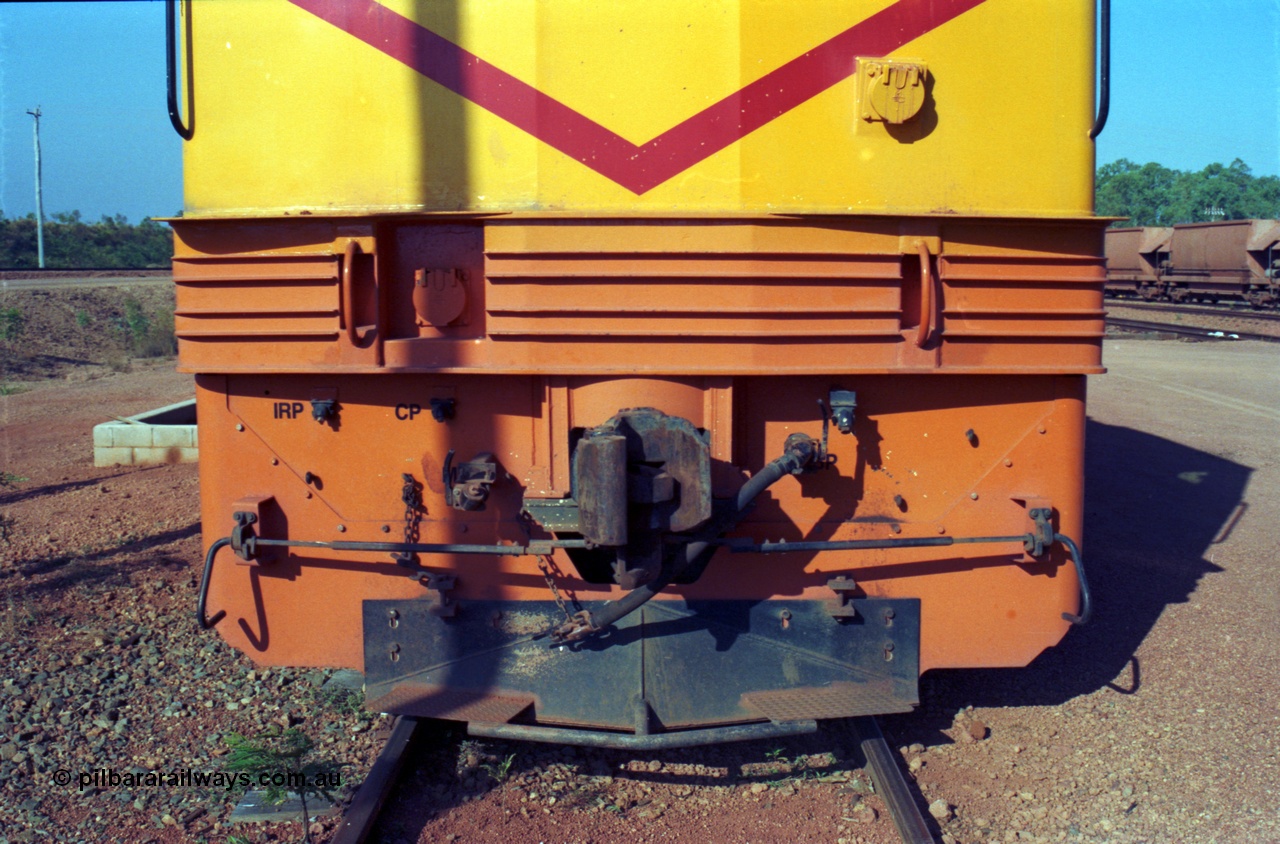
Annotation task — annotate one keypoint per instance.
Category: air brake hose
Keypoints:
(800, 451)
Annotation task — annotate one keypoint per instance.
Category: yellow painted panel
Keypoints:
(295, 115)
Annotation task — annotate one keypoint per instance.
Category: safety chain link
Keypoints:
(549, 570)
(411, 495)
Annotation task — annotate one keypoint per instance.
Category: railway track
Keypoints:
(1188, 330)
(361, 816)
(1235, 310)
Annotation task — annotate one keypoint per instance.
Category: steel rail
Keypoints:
(890, 783)
(1222, 309)
(1189, 331)
(362, 814)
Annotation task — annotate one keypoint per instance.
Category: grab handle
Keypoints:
(204, 620)
(171, 71)
(346, 314)
(1086, 600)
(927, 284)
(1104, 71)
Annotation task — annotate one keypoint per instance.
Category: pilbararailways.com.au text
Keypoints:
(188, 778)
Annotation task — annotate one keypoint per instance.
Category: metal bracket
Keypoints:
(843, 405)
(322, 409)
(442, 410)
(243, 540)
(324, 405)
(441, 606)
(468, 483)
(251, 514)
(1041, 536)
(845, 589)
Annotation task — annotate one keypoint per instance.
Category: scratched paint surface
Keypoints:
(715, 107)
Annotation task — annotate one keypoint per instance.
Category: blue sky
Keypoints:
(1195, 81)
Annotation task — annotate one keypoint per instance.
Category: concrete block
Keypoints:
(113, 456)
(102, 435)
(172, 436)
(131, 436)
(189, 455)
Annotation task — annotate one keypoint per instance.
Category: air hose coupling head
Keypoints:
(800, 451)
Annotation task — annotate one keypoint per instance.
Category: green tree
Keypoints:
(1153, 195)
(70, 242)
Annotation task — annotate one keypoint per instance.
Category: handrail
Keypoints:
(1104, 82)
(346, 314)
(206, 622)
(171, 73)
(927, 307)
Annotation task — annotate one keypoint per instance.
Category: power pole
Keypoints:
(39, 191)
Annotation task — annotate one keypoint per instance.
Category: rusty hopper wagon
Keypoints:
(1135, 256)
(614, 371)
(1230, 260)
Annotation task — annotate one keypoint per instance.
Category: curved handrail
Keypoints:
(207, 623)
(1086, 600)
(1104, 83)
(171, 73)
(925, 330)
(346, 316)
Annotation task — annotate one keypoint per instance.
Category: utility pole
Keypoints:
(39, 191)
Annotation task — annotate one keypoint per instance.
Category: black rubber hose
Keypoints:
(205, 622)
(798, 455)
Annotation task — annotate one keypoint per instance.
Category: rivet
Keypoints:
(239, 427)
(785, 614)
(974, 496)
(386, 528)
(308, 494)
(1008, 463)
(971, 437)
(275, 461)
(941, 529)
(1042, 429)
(342, 528)
(896, 529)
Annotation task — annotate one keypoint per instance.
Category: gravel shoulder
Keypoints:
(1155, 723)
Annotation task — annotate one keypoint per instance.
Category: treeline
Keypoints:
(70, 242)
(1152, 195)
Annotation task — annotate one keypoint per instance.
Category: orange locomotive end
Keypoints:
(605, 468)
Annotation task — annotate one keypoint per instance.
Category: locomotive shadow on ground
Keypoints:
(70, 570)
(1153, 510)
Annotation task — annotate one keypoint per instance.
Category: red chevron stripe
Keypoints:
(639, 168)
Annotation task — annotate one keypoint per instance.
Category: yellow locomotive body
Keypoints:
(502, 314)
